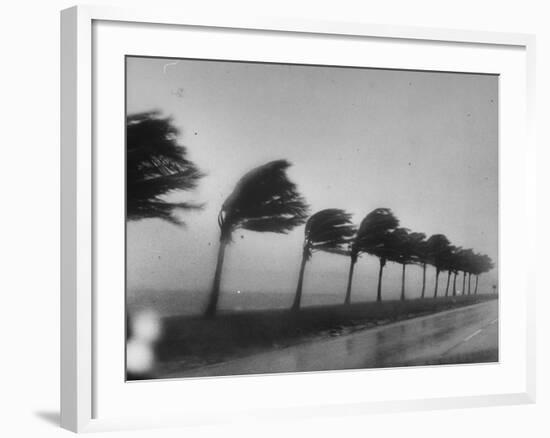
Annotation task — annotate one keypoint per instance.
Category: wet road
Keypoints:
(464, 335)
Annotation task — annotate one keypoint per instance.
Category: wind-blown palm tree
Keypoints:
(482, 264)
(405, 248)
(327, 230)
(449, 260)
(417, 242)
(468, 265)
(448, 282)
(156, 165)
(438, 250)
(448, 265)
(423, 260)
(372, 238)
(454, 263)
(468, 261)
(263, 200)
(455, 272)
(461, 265)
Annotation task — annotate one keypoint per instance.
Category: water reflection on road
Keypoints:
(412, 342)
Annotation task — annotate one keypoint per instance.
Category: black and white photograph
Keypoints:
(278, 219)
(286, 218)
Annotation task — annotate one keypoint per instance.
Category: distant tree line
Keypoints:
(265, 200)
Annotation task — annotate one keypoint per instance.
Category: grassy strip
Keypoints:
(189, 342)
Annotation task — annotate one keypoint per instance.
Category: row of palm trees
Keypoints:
(379, 235)
(265, 200)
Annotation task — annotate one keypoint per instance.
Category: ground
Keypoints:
(366, 335)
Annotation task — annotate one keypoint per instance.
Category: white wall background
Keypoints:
(29, 223)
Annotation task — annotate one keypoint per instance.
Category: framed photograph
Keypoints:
(257, 208)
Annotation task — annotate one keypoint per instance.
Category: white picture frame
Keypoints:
(82, 373)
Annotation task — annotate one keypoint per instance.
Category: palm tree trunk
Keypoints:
(464, 283)
(469, 283)
(475, 290)
(298, 296)
(436, 281)
(423, 280)
(215, 293)
(448, 281)
(350, 278)
(379, 291)
(454, 285)
(403, 282)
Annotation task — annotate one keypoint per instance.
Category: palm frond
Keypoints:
(160, 210)
(340, 251)
(374, 232)
(279, 224)
(467, 260)
(329, 230)
(405, 247)
(264, 200)
(156, 165)
(439, 251)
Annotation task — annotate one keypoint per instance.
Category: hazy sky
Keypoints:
(421, 143)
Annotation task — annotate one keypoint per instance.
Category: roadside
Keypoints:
(414, 342)
(190, 343)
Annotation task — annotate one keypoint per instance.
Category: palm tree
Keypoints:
(448, 282)
(327, 230)
(461, 263)
(487, 264)
(405, 248)
(399, 252)
(417, 242)
(482, 264)
(264, 200)
(438, 250)
(468, 257)
(372, 238)
(423, 259)
(449, 260)
(448, 266)
(454, 282)
(454, 262)
(156, 165)
(458, 262)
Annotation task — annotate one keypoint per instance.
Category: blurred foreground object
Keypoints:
(144, 331)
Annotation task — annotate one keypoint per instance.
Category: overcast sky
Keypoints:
(424, 144)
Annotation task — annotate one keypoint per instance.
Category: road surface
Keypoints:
(464, 335)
